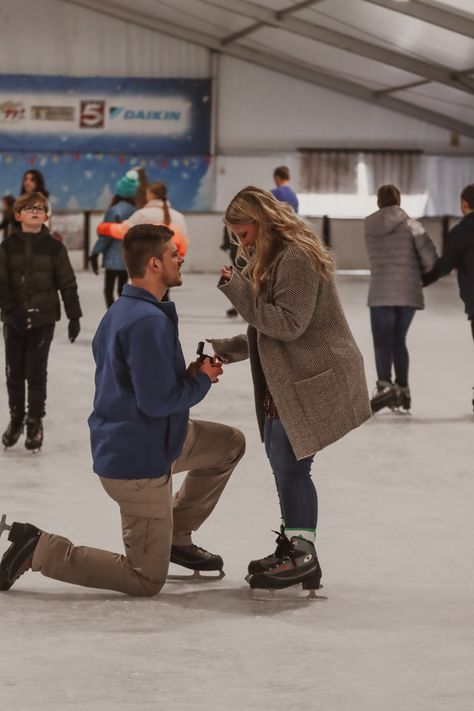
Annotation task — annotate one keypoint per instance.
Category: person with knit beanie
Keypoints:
(121, 208)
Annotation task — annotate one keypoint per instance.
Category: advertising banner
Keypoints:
(111, 115)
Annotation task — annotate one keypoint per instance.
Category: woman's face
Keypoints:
(246, 234)
(29, 183)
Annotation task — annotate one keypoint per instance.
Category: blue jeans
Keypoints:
(390, 325)
(296, 491)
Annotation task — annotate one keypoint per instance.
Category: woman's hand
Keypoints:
(226, 274)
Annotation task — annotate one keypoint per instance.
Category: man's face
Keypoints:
(170, 271)
(32, 218)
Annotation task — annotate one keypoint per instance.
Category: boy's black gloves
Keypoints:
(74, 329)
(18, 320)
(94, 260)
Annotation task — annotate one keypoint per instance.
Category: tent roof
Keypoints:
(414, 57)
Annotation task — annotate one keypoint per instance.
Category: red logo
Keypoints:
(92, 114)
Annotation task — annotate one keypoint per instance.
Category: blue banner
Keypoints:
(86, 181)
(110, 115)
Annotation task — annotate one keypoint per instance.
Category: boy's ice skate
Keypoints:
(197, 559)
(17, 558)
(34, 433)
(299, 566)
(14, 430)
(283, 547)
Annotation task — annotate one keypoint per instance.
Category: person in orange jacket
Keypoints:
(157, 211)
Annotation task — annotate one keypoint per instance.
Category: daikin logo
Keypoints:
(143, 115)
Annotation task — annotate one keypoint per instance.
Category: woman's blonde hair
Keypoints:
(277, 224)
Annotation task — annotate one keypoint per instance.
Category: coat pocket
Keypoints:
(319, 396)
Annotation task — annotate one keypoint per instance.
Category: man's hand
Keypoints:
(193, 368)
(212, 368)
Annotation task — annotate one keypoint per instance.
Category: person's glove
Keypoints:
(94, 260)
(18, 320)
(74, 328)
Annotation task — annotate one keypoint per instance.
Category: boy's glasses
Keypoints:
(35, 208)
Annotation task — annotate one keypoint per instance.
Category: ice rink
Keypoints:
(395, 542)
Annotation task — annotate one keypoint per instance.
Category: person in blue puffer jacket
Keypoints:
(120, 209)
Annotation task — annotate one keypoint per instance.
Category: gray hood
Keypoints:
(385, 221)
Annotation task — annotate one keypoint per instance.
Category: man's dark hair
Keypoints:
(142, 242)
(388, 195)
(468, 195)
(281, 172)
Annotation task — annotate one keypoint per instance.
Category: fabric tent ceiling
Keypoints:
(414, 57)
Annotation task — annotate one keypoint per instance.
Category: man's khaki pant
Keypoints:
(151, 518)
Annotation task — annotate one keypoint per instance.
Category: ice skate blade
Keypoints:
(294, 593)
(196, 577)
(4, 525)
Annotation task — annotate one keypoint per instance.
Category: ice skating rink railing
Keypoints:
(345, 236)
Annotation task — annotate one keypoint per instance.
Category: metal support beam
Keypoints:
(402, 87)
(294, 8)
(275, 62)
(243, 33)
(462, 24)
(378, 53)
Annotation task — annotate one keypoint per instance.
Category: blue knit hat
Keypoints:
(127, 186)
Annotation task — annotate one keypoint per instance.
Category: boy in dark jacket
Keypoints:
(458, 253)
(33, 268)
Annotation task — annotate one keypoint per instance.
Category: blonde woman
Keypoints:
(308, 373)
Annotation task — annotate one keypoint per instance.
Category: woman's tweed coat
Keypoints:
(299, 342)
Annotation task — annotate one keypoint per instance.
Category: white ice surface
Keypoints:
(395, 543)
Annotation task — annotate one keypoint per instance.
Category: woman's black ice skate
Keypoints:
(283, 547)
(385, 395)
(17, 558)
(34, 433)
(404, 399)
(14, 430)
(197, 559)
(299, 565)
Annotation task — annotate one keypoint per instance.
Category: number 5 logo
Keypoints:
(92, 114)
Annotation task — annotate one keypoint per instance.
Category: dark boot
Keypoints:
(34, 433)
(283, 547)
(14, 430)
(404, 398)
(195, 558)
(17, 558)
(299, 565)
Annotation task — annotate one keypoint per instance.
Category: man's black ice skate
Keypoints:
(299, 565)
(14, 430)
(283, 547)
(385, 395)
(17, 558)
(34, 433)
(197, 559)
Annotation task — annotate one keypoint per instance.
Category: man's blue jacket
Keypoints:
(143, 395)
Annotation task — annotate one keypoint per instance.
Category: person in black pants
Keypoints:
(33, 268)
(458, 253)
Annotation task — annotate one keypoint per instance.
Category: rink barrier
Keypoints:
(345, 236)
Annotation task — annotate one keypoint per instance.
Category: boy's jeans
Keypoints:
(26, 359)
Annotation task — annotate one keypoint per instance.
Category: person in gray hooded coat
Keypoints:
(400, 251)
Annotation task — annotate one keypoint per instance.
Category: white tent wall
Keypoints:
(54, 37)
(264, 110)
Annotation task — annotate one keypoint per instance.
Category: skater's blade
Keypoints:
(4, 525)
(196, 577)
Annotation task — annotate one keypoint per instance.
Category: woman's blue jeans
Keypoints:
(296, 491)
(390, 325)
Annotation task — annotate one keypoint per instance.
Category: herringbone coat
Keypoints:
(300, 344)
